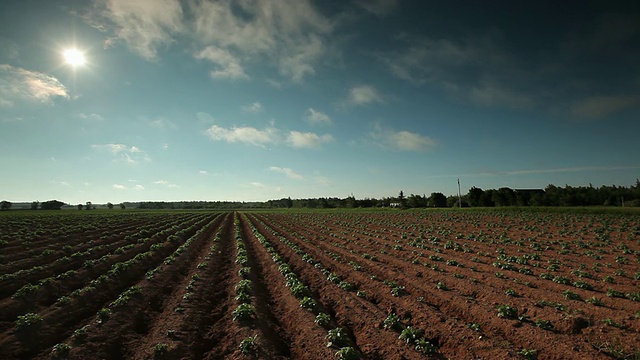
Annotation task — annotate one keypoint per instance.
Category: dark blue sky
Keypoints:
(254, 100)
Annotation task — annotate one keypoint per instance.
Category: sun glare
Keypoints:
(74, 57)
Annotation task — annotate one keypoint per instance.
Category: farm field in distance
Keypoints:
(344, 284)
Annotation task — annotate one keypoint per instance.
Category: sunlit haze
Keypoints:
(74, 57)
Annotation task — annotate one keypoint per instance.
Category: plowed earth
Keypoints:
(399, 285)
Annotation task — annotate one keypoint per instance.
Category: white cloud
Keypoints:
(245, 134)
(379, 7)
(162, 123)
(229, 66)
(165, 146)
(287, 171)
(401, 140)
(299, 139)
(600, 106)
(129, 154)
(257, 184)
(93, 117)
(291, 34)
(364, 94)
(316, 117)
(17, 84)
(144, 25)
(253, 108)
(122, 187)
(203, 172)
(166, 183)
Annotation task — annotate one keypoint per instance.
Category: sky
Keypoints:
(252, 100)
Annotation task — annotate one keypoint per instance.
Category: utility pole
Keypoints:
(459, 196)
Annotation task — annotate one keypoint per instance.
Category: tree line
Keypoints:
(476, 197)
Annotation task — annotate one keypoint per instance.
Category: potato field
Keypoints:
(334, 284)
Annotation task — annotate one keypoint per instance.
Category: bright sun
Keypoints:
(74, 57)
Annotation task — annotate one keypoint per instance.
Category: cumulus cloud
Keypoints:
(129, 154)
(596, 107)
(267, 136)
(122, 187)
(363, 95)
(93, 117)
(289, 33)
(166, 183)
(299, 139)
(228, 66)
(316, 117)
(287, 171)
(253, 108)
(18, 84)
(244, 134)
(401, 140)
(144, 25)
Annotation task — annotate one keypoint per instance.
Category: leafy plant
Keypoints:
(392, 321)
(530, 354)
(410, 335)
(337, 337)
(307, 303)
(347, 353)
(160, 349)
(249, 345)
(425, 347)
(60, 350)
(544, 324)
(507, 312)
(571, 295)
(595, 301)
(323, 319)
(244, 311)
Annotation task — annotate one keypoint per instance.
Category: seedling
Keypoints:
(323, 319)
(347, 353)
(425, 347)
(410, 335)
(337, 337)
(60, 351)
(392, 321)
(544, 324)
(249, 345)
(244, 311)
(507, 312)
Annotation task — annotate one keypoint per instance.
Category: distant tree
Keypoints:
(402, 200)
(350, 201)
(417, 201)
(288, 203)
(474, 196)
(122, 206)
(504, 197)
(34, 205)
(5, 205)
(51, 205)
(80, 206)
(88, 206)
(437, 199)
(110, 205)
